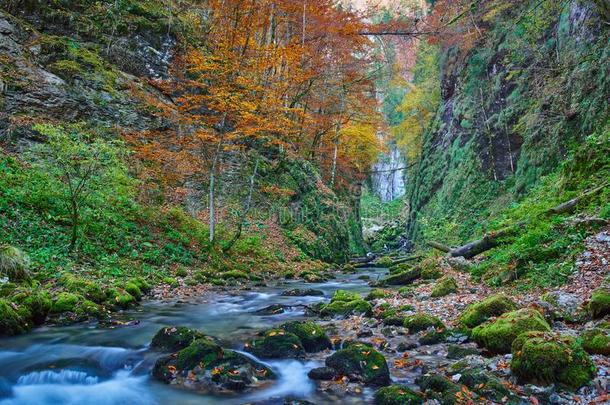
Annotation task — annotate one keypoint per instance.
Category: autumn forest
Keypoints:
(386, 202)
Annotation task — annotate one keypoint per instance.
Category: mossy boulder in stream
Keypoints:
(490, 307)
(346, 303)
(421, 321)
(445, 286)
(596, 341)
(545, 358)
(172, 338)
(38, 303)
(397, 395)
(65, 302)
(312, 336)
(360, 362)
(206, 367)
(276, 344)
(599, 304)
(497, 336)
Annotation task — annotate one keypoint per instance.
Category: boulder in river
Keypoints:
(312, 336)
(497, 336)
(421, 321)
(276, 344)
(273, 309)
(545, 358)
(172, 338)
(322, 373)
(360, 362)
(438, 387)
(303, 292)
(206, 367)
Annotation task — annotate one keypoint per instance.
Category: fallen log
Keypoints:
(493, 239)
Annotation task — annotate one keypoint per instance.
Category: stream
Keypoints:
(87, 364)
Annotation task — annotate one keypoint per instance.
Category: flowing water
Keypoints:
(86, 364)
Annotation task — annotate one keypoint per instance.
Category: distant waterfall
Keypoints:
(389, 183)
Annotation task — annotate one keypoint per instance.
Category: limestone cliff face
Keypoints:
(535, 85)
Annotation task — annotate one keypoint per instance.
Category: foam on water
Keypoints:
(57, 377)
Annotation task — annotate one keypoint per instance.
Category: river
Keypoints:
(87, 364)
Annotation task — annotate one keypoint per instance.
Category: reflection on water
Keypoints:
(83, 364)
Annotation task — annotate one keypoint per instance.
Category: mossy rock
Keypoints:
(397, 395)
(12, 322)
(207, 368)
(276, 344)
(439, 387)
(173, 338)
(86, 309)
(346, 303)
(38, 303)
(120, 299)
(403, 278)
(407, 291)
(134, 290)
(303, 292)
(234, 274)
(458, 352)
(487, 386)
(361, 362)
(312, 336)
(400, 268)
(596, 341)
(490, 307)
(421, 321)
(86, 288)
(66, 302)
(310, 277)
(599, 304)
(430, 269)
(444, 287)
(200, 352)
(497, 336)
(433, 337)
(172, 282)
(384, 261)
(545, 358)
(376, 294)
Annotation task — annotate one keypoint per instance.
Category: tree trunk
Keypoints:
(75, 220)
(247, 206)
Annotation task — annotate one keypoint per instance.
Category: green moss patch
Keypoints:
(490, 307)
(397, 395)
(445, 286)
(421, 321)
(276, 344)
(596, 341)
(362, 362)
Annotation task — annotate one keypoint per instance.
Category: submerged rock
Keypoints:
(360, 362)
(497, 336)
(458, 352)
(397, 395)
(276, 344)
(207, 368)
(545, 358)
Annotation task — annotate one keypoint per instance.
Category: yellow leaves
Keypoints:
(171, 369)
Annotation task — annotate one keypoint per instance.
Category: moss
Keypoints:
(234, 274)
(445, 286)
(120, 299)
(490, 307)
(384, 261)
(407, 291)
(497, 336)
(11, 321)
(312, 336)
(401, 267)
(79, 285)
(346, 303)
(438, 387)
(458, 352)
(66, 69)
(377, 294)
(133, 290)
(65, 302)
(172, 338)
(181, 272)
(545, 358)
(362, 361)
(170, 281)
(421, 321)
(87, 309)
(38, 303)
(430, 269)
(201, 351)
(397, 395)
(312, 277)
(433, 337)
(405, 277)
(276, 344)
(596, 341)
(14, 263)
(599, 304)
